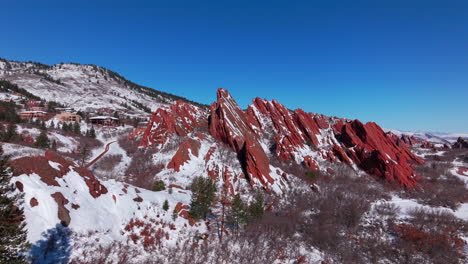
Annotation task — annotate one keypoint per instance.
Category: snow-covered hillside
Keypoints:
(84, 87)
(442, 138)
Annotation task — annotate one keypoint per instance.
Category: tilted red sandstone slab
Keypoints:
(180, 119)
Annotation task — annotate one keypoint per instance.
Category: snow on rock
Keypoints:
(182, 155)
(58, 191)
(268, 128)
(232, 126)
(180, 119)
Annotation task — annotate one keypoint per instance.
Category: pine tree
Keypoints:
(65, 127)
(256, 209)
(76, 128)
(54, 145)
(203, 194)
(11, 133)
(166, 205)
(52, 125)
(238, 213)
(42, 140)
(12, 227)
(92, 133)
(84, 154)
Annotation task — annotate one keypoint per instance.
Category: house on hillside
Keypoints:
(68, 117)
(32, 114)
(104, 120)
(36, 105)
(37, 108)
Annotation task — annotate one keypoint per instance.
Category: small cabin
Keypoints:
(104, 120)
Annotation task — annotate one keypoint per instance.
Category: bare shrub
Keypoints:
(142, 169)
(438, 187)
(130, 145)
(108, 162)
(388, 210)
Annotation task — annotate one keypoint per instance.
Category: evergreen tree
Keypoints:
(203, 194)
(256, 209)
(92, 133)
(11, 133)
(54, 145)
(84, 154)
(52, 125)
(42, 140)
(166, 205)
(159, 186)
(12, 227)
(65, 127)
(76, 128)
(174, 215)
(238, 213)
(135, 122)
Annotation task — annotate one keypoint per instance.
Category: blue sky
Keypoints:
(402, 65)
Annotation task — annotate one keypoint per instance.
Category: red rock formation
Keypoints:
(33, 202)
(229, 124)
(310, 163)
(19, 186)
(62, 213)
(182, 154)
(41, 166)
(183, 211)
(378, 154)
(180, 118)
(291, 134)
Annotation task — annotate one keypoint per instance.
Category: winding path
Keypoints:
(100, 155)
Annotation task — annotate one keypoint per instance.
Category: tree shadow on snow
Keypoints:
(54, 247)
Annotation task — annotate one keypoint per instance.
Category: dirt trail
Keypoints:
(100, 155)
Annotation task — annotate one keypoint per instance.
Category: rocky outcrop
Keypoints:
(268, 128)
(410, 141)
(378, 154)
(180, 119)
(33, 202)
(62, 213)
(42, 166)
(189, 146)
(232, 126)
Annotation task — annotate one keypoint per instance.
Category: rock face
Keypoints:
(52, 167)
(180, 119)
(410, 141)
(189, 146)
(232, 126)
(376, 153)
(268, 130)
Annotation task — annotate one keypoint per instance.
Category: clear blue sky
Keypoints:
(402, 65)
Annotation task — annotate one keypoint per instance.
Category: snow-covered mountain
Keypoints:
(84, 87)
(434, 137)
